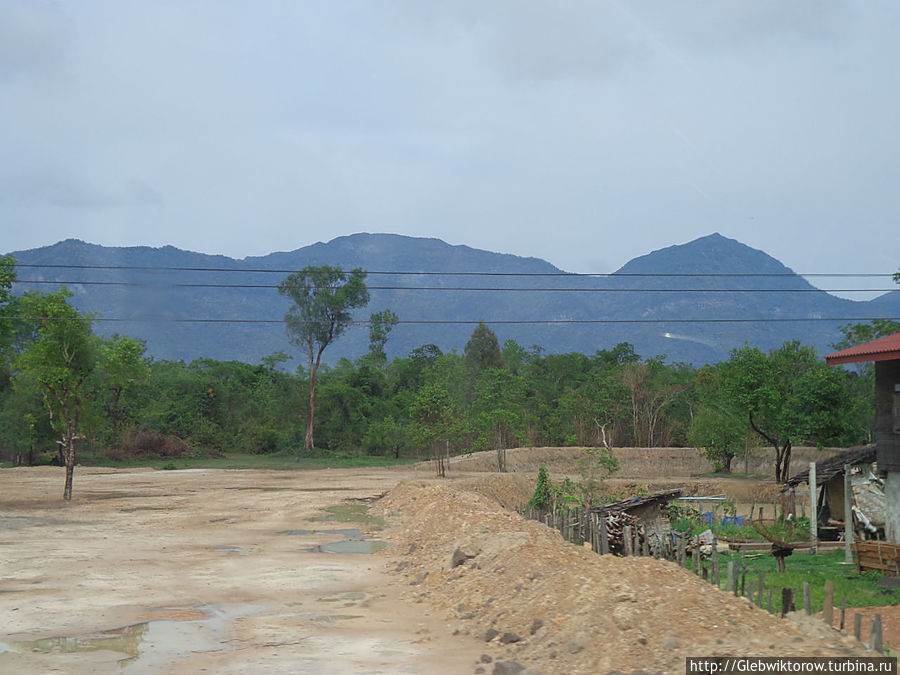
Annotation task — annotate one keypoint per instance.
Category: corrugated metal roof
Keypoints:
(882, 349)
(831, 467)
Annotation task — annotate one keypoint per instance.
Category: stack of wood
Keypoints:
(616, 522)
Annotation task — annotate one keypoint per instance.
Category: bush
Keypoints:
(143, 443)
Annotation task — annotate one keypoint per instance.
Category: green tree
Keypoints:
(121, 365)
(59, 362)
(789, 395)
(380, 325)
(323, 298)
(719, 427)
(483, 350)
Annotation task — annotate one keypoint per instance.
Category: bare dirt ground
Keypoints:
(189, 573)
(220, 572)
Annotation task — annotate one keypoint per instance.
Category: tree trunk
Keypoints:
(70, 465)
(310, 420)
(308, 442)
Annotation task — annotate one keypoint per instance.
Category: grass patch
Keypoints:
(275, 462)
(860, 590)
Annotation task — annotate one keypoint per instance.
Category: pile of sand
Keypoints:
(559, 608)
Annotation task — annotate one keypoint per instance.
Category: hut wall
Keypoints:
(887, 414)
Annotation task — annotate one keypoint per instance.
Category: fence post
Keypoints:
(604, 536)
(813, 510)
(729, 584)
(828, 608)
(759, 597)
(875, 635)
(681, 555)
(627, 540)
(787, 601)
(806, 601)
(848, 516)
(857, 625)
(715, 562)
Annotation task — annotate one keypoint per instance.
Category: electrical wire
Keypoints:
(465, 322)
(135, 284)
(487, 274)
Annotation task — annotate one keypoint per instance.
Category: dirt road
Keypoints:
(205, 571)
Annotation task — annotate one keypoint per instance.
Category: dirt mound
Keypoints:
(637, 462)
(563, 609)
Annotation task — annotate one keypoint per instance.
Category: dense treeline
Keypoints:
(61, 385)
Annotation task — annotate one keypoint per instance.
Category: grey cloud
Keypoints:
(34, 38)
(62, 188)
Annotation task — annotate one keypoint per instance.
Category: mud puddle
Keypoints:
(353, 542)
(149, 645)
(351, 513)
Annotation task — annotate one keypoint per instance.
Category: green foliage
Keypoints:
(380, 325)
(483, 350)
(58, 363)
(323, 299)
(543, 491)
(789, 395)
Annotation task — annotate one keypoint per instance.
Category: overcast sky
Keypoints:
(584, 132)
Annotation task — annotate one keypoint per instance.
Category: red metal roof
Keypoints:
(882, 349)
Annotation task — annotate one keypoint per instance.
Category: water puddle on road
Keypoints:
(351, 513)
(149, 645)
(353, 542)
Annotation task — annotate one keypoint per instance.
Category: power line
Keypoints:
(135, 284)
(452, 273)
(464, 322)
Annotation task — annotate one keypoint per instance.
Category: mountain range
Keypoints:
(669, 302)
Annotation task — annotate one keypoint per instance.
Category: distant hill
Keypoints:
(149, 299)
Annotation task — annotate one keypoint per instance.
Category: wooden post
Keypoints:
(813, 510)
(636, 547)
(857, 625)
(848, 516)
(806, 601)
(760, 586)
(828, 607)
(769, 599)
(604, 536)
(627, 540)
(743, 579)
(681, 554)
(696, 559)
(843, 611)
(875, 641)
(787, 601)
(729, 584)
(715, 563)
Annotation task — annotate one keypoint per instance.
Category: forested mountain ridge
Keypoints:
(163, 305)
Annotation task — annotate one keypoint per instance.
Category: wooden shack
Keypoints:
(869, 499)
(885, 353)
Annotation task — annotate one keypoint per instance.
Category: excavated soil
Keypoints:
(558, 608)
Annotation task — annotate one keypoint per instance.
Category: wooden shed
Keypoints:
(885, 353)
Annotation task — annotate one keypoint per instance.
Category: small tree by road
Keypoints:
(58, 361)
(323, 299)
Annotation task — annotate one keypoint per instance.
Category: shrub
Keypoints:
(144, 443)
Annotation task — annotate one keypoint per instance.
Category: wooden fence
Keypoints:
(621, 534)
